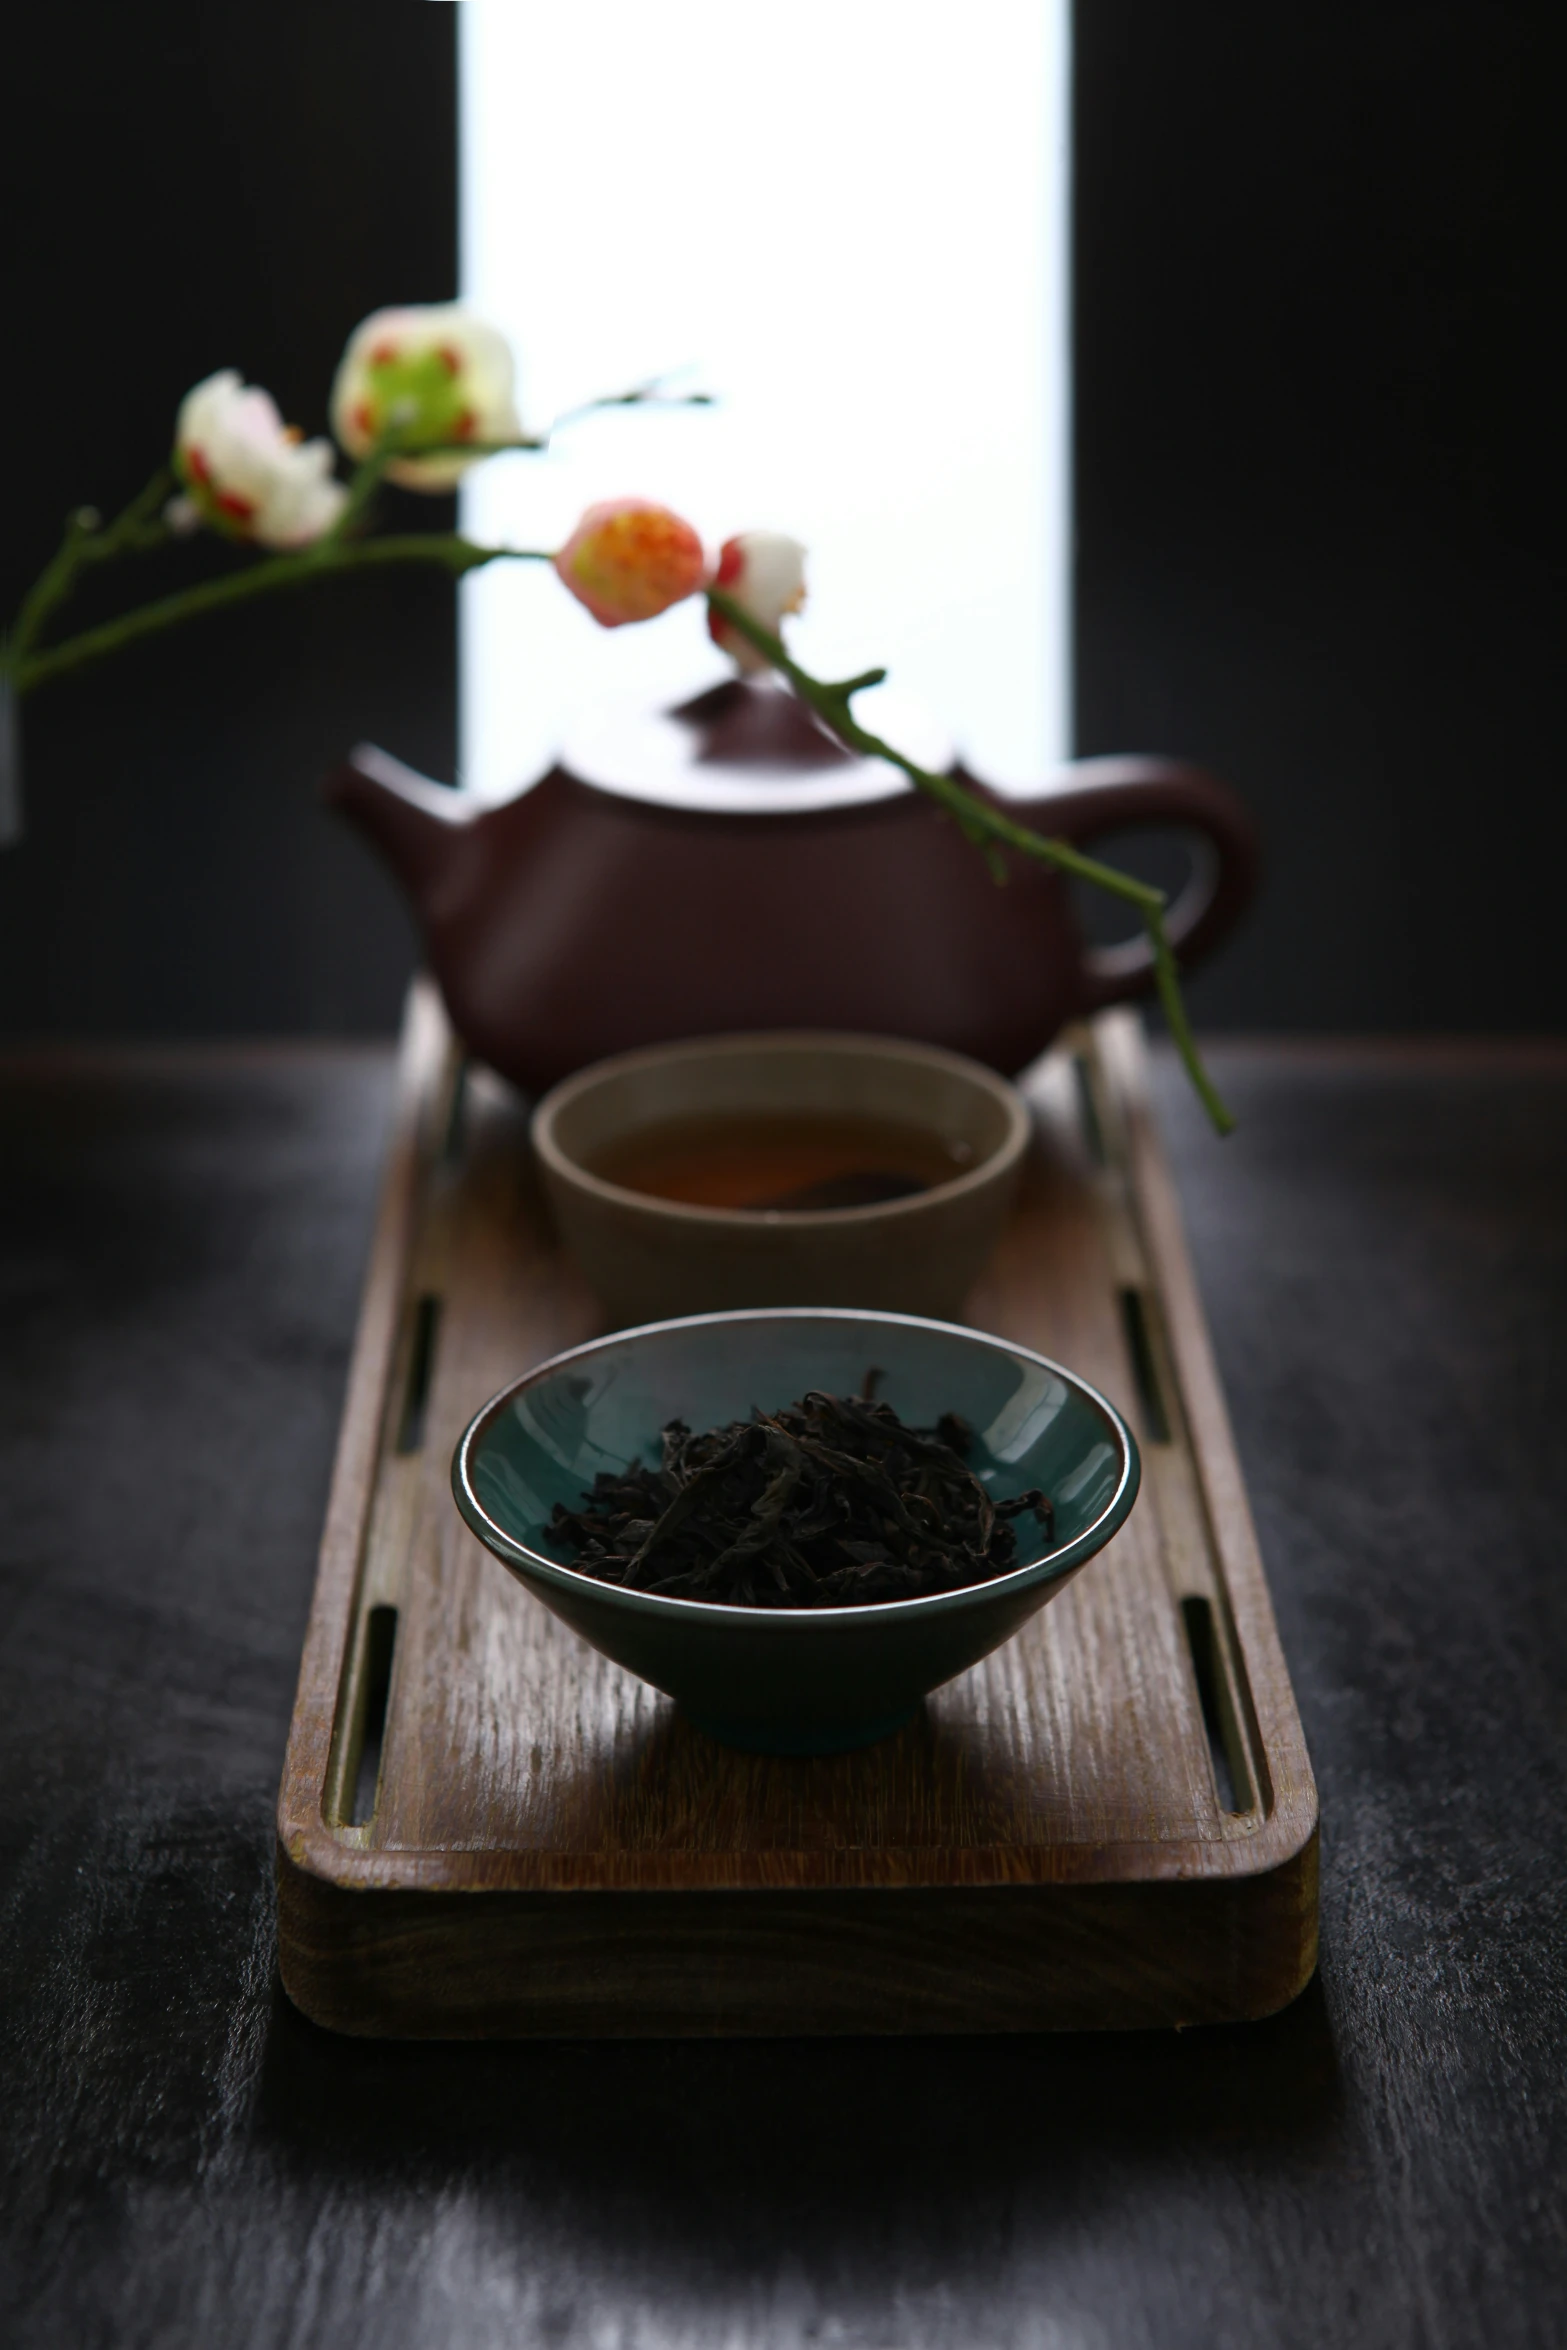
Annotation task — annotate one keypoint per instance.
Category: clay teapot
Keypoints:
(728, 865)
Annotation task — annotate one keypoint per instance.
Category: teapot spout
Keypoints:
(418, 826)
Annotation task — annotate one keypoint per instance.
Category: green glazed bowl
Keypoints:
(792, 1680)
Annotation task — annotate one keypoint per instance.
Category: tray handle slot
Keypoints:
(380, 1646)
(421, 1367)
(354, 1785)
(1227, 1747)
(1088, 1110)
(1145, 1366)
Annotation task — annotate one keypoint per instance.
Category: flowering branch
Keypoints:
(986, 827)
(420, 395)
(145, 524)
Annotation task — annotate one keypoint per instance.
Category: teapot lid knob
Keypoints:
(749, 746)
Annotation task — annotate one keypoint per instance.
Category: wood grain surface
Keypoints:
(185, 2159)
(1109, 1821)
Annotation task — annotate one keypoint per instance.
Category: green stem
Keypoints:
(367, 478)
(446, 550)
(371, 470)
(645, 395)
(987, 827)
(135, 530)
(1173, 1005)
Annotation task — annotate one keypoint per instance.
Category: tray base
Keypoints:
(485, 1829)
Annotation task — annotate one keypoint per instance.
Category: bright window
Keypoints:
(849, 222)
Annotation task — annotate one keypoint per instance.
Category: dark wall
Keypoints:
(189, 187)
(1321, 260)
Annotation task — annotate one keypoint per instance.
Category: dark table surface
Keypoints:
(1383, 1250)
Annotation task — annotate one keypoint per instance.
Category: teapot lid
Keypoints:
(750, 747)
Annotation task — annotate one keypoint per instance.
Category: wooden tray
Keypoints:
(485, 1828)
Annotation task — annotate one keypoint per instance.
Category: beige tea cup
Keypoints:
(650, 1257)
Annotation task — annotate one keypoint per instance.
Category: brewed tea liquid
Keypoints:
(796, 1162)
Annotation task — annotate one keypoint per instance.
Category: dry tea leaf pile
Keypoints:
(831, 1501)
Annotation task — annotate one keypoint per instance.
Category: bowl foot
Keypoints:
(821, 1738)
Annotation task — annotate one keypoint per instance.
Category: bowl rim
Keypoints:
(993, 1168)
(1048, 1568)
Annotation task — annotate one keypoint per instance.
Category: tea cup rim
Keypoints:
(994, 1165)
(1048, 1567)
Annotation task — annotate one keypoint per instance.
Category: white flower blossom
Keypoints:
(246, 472)
(425, 377)
(765, 573)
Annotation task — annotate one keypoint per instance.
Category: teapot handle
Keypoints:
(1097, 796)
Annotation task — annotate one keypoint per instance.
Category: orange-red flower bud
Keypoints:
(629, 559)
